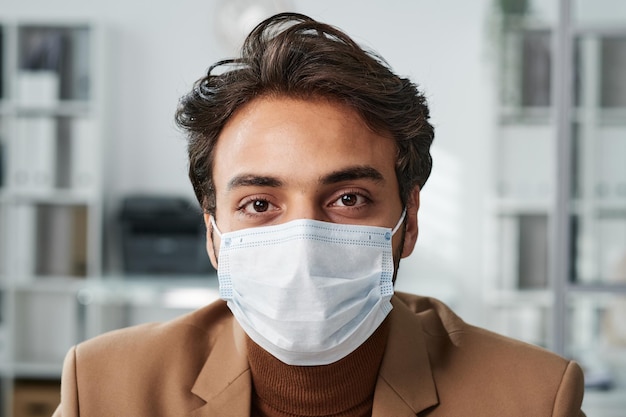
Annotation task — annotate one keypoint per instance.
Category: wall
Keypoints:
(157, 49)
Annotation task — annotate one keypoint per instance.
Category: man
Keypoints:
(308, 155)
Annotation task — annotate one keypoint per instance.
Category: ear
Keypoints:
(210, 245)
(412, 229)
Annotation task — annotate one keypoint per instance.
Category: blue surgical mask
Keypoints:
(308, 292)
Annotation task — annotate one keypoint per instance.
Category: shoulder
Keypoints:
(154, 347)
(469, 361)
(143, 368)
(443, 328)
(202, 324)
(440, 323)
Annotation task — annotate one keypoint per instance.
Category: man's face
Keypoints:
(280, 159)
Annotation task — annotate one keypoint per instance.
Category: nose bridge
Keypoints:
(305, 206)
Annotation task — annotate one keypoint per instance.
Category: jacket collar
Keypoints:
(405, 383)
(225, 382)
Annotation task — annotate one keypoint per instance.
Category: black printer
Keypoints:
(162, 236)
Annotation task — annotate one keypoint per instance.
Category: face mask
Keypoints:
(306, 291)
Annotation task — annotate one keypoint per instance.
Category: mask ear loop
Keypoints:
(212, 220)
(395, 229)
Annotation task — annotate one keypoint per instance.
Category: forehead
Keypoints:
(297, 137)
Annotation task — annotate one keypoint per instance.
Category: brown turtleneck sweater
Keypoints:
(341, 389)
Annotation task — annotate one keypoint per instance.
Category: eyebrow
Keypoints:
(251, 180)
(346, 174)
(351, 174)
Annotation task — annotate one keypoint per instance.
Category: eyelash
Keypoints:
(241, 208)
(354, 192)
(248, 200)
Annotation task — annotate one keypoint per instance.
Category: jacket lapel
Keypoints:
(405, 384)
(224, 382)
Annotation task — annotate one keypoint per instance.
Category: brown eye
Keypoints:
(260, 206)
(349, 199)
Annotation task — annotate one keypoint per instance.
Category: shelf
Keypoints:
(543, 297)
(513, 115)
(599, 206)
(598, 288)
(51, 285)
(64, 108)
(519, 298)
(168, 292)
(517, 206)
(37, 370)
(602, 116)
(58, 196)
(609, 207)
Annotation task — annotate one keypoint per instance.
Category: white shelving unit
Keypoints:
(518, 291)
(559, 275)
(50, 195)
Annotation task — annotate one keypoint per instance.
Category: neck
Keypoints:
(340, 389)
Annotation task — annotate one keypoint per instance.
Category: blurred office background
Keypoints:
(522, 224)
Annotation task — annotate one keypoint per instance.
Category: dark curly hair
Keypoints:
(295, 56)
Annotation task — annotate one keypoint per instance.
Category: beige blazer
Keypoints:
(435, 365)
